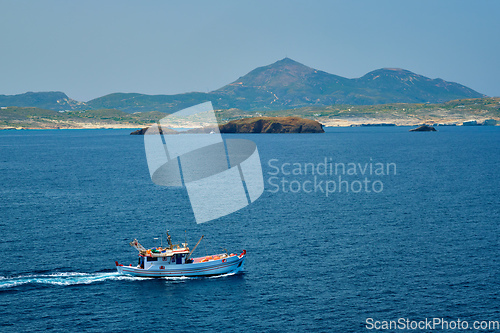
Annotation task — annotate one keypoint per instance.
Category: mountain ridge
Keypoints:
(53, 100)
(282, 85)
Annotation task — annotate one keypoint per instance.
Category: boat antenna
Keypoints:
(169, 240)
(156, 238)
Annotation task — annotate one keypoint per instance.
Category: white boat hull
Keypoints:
(213, 267)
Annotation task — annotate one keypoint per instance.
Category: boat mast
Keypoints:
(194, 248)
(170, 246)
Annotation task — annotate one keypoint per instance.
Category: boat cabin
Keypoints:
(147, 261)
(160, 257)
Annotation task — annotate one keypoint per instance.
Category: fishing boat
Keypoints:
(175, 261)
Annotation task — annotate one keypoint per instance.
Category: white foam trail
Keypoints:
(62, 279)
(75, 278)
(222, 275)
(174, 278)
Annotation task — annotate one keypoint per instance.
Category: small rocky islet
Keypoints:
(257, 125)
(424, 128)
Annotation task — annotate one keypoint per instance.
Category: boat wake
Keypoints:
(61, 279)
(74, 278)
(223, 275)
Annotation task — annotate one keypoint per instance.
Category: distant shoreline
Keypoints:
(325, 125)
(68, 129)
(453, 113)
(360, 122)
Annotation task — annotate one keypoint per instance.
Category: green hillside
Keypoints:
(27, 117)
(456, 111)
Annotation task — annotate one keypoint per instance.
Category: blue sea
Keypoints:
(418, 242)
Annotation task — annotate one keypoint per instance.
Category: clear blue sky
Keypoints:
(91, 48)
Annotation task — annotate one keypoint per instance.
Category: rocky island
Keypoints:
(423, 128)
(272, 125)
(142, 131)
(256, 125)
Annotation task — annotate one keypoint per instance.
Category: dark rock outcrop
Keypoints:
(423, 128)
(142, 131)
(489, 122)
(272, 125)
(254, 125)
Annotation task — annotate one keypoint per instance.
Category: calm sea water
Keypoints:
(425, 246)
